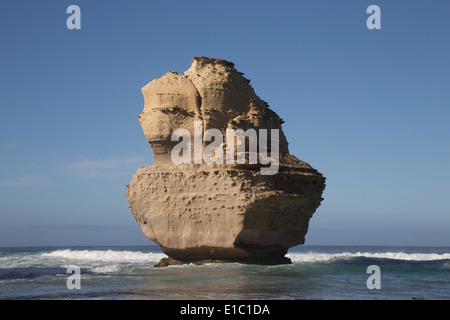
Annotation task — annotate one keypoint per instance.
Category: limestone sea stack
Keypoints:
(204, 198)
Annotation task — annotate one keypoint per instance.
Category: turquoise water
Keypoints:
(317, 272)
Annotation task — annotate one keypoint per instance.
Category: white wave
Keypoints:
(106, 269)
(105, 255)
(323, 257)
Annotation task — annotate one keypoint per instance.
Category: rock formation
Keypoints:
(220, 212)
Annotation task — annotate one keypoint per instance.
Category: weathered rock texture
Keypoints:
(221, 212)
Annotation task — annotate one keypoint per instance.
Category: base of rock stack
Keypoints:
(224, 214)
(202, 255)
(166, 262)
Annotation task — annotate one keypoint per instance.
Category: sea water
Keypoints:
(316, 272)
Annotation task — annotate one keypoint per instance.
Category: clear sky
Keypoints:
(370, 109)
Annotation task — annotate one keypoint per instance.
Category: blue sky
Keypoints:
(370, 109)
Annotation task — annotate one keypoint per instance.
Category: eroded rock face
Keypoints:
(218, 212)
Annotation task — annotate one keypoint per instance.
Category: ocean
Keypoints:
(317, 272)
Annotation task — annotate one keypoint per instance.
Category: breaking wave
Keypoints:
(326, 257)
(105, 261)
(105, 256)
